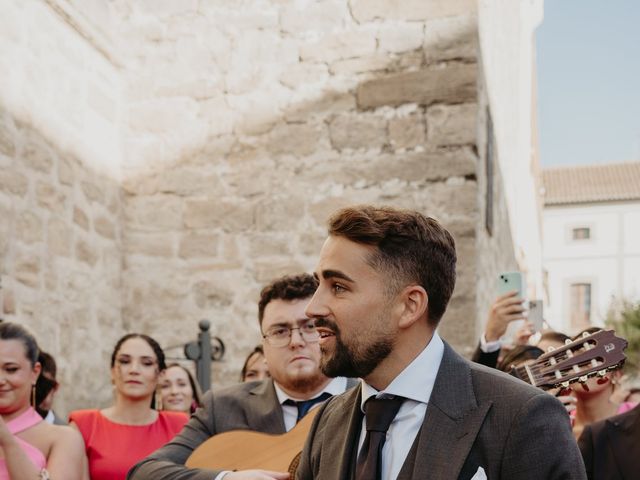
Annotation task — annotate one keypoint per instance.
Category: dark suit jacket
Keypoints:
(476, 417)
(489, 359)
(248, 406)
(611, 447)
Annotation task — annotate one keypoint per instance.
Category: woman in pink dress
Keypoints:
(119, 436)
(30, 448)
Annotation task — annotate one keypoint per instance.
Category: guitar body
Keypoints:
(248, 450)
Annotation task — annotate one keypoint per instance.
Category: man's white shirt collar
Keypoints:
(424, 367)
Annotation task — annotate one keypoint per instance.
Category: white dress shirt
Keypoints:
(415, 384)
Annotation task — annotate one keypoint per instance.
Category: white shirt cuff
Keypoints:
(221, 475)
(488, 347)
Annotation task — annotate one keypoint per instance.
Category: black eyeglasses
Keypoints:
(280, 336)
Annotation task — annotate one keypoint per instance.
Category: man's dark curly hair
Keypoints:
(290, 287)
(410, 248)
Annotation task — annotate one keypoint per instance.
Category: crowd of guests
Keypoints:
(159, 415)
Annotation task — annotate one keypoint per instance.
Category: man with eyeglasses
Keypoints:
(274, 405)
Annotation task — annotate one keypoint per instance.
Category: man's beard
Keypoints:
(353, 362)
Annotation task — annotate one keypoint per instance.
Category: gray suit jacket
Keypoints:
(245, 406)
(252, 406)
(476, 417)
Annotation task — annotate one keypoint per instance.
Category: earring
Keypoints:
(158, 401)
(33, 396)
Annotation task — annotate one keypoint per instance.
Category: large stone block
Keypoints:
(367, 131)
(221, 213)
(269, 244)
(266, 269)
(93, 191)
(86, 252)
(66, 173)
(454, 83)
(397, 38)
(451, 38)
(198, 245)
(282, 213)
(407, 131)
(59, 237)
(449, 125)
(148, 244)
(27, 271)
(212, 294)
(326, 15)
(301, 75)
(421, 167)
(368, 10)
(80, 218)
(154, 213)
(37, 155)
(29, 227)
(186, 181)
(297, 139)
(105, 227)
(370, 63)
(341, 45)
(13, 182)
(8, 137)
(51, 198)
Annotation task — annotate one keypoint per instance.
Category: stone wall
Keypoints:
(232, 131)
(273, 123)
(60, 257)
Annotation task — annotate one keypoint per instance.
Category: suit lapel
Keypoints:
(452, 422)
(339, 450)
(264, 412)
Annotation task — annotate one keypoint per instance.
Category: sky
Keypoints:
(588, 62)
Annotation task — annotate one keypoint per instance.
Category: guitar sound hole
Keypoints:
(293, 466)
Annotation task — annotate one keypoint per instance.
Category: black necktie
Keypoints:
(305, 405)
(379, 413)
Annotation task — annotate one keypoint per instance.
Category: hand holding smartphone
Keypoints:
(509, 282)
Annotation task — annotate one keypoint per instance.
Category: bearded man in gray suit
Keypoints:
(293, 357)
(385, 278)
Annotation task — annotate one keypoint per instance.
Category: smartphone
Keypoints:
(535, 315)
(509, 281)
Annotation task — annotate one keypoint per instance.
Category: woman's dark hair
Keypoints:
(195, 387)
(258, 350)
(518, 355)
(13, 331)
(155, 346)
(588, 330)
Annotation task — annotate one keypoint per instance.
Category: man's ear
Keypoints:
(414, 303)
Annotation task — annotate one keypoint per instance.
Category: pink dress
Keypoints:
(26, 420)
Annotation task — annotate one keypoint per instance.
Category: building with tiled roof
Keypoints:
(591, 241)
(591, 183)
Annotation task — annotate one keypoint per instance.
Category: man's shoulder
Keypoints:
(238, 392)
(498, 384)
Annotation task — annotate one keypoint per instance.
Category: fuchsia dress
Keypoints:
(26, 420)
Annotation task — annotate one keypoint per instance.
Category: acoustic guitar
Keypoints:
(247, 449)
(576, 361)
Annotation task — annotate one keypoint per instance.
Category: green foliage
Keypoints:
(624, 317)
